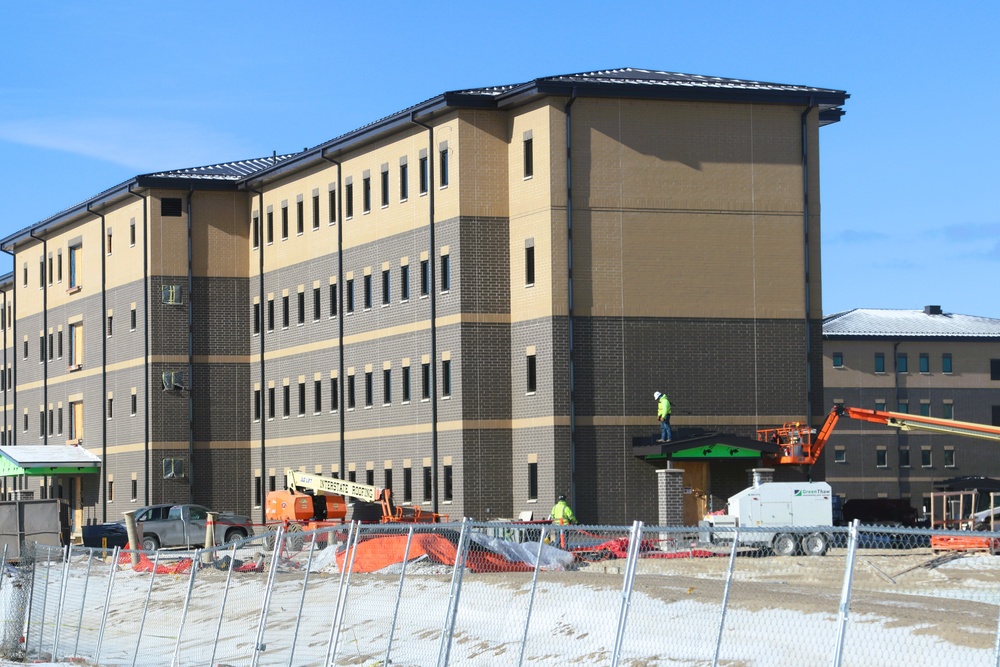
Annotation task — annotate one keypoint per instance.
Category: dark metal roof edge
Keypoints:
(6, 278)
(987, 338)
(181, 183)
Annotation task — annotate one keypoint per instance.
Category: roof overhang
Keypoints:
(39, 460)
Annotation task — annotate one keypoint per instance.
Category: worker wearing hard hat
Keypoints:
(562, 513)
(663, 414)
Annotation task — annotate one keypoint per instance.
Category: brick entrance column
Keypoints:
(670, 500)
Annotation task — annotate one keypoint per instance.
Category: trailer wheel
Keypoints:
(815, 544)
(785, 544)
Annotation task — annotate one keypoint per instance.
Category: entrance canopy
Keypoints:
(39, 460)
(698, 446)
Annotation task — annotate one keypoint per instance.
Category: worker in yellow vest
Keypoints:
(562, 514)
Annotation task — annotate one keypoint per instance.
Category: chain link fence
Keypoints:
(517, 594)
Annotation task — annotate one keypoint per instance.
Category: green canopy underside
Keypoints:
(10, 469)
(716, 451)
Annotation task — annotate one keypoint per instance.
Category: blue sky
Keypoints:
(92, 94)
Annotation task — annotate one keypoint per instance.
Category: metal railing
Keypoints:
(518, 594)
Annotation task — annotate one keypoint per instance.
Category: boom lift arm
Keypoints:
(798, 446)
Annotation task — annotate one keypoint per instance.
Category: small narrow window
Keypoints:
(902, 363)
(946, 362)
(366, 194)
(385, 288)
(948, 410)
(300, 222)
(350, 296)
(315, 212)
(386, 386)
(135, 405)
(388, 478)
(949, 457)
(285, 315)
(333, 206)
(448, 484)
(404, 282)
(270, 227)
(531, 374)
(424, 175)
(302, 399)
(839, 455)
(925, 457)
(881, 458)
(529, 265)
(446, 378)
(256, 319)
(425, 381)
(316, 304)
(532, 481)
(255, 231)
(349, 200)
(995, 369)
(425, 277)
(407, 485)
(333, 300)
(838, 359)
(369, 390)
(302, 307)
(445, 273)
(428, 484)
(110, 247)
(368, 291)
(284, 223)
(529, 158)
(132, 319)
(41, 348)
(404, 186)
(270, 314)
(406, 384)
(903, 407)
(286, 405)
(370, 477)
(317, 396)
(351, 396)
(385, 189)
(925, 408)
(131, 233)
(51, 347)
(904, 457)
(334, 395)
(135, 489)
(925, 363)
(879, 362)
(111, 321)
(111, 407)
(270, 402)
(443, 165)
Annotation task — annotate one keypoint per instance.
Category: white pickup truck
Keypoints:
(184, 526)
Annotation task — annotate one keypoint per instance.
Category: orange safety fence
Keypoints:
(146, 565)
(378, 553)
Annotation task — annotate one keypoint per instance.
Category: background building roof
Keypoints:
(931, 322)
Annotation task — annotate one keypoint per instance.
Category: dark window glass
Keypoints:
(949, 458)
(881, 458)
(350, 392)
(902, 363)
(333, 206)
(532, 384)
(995, 369)
(256, 232)
(404, 186)
(425, 277)
(445, 273)
(284, 223)
(270, 402)
(350, 295)
(270, 227)
(386, 386)
(903, 406)
(404, 282)
(349, 199)
(302, 307)
(406, 384)
(366, 194)
(948, 410)
(996, 415)
(256, 405)
(284, 312)
(448, 484)
(300, 222)
(925, 458)
(317, 396)
(529, 164)
(132, 320)
(333, 300)
(946, 363)
(302, 398)
(315, 211)
(286, 395)
(904, 457)
(838, 359)
(368, 291)
(388, 478)
(446, 377)
(385, 188)
(369, 391)
(443, 164)
(879, 362)
(334, 395)
(529, 265)
(424, 175)
(270, 314)
(425, 381)
(428, 484)
(925, 409)
(925, 363)
(370, 477)
(407, 485)
(532, 481)
(385, 288)
(316, 304)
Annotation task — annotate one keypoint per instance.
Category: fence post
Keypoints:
(107, 603)
(258, 645)
(444, 653)
(195, 563)
(399, 594)
(83, 601)
(222, 609)
(342, 594)
(531, 595)
(62, 599)
(725, 596)
(4, 564)
(45, 598)
(340, 588)
(302, 601)
(145, 607)
(631, 562)
(845, 594)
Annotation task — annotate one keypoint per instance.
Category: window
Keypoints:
(302, 307)
(352, 476)
(366, 194)
(445, 273)
(925, 408)
(316, 304)
(109, 242)
(879, 362)
(334, 395)
(111, 491)
(904, 457)
(258, 491)
(425, 277)
(531, 384)
(270, 402)
(368, 291)
(446, 378)
(903, 406)
(171, 207)
(270, 227)
(317, 396)
(839, 455)
(76, 345)
(369, 391)
(59, 421)
(946, 362)
(838, 359)
(995, 369)
(284, 222)
(111, 407)
(995, 415)
(51, 347)
(881, 458)
(370, 477)
(135, 489)
(424, 175)
(350, 295)
(41, 348)
(385, 189)
(256, 405)
(134, 404)
(407, 485)
(448, 484)
(25, 347)
(286, 395)
(255, 233)
(532, 481)
(425, 381)
(41, 423)
(443, 167)
(256, 319)
(925, 457)
(172, 295)
(132, 319)
(51, 272)
(902, 364)
(406, 384)
(111, 321)
(349, 200)
(388, 478)
(284, 312)
(948, 410)
(26, 422)
(52, 421)
(333, 206)
(925, 363)
(404, 186)
(315, 212)
(300, 222)
(270, 314)
(350, 393)
(302, 399)
(59, 266)
(75, 265)
(385, 287)
(76, 421)
(25, 274)
(131, 233)
(949, 457)
(333, 300)
(41, 272)
(404, 282)
(386, 386)
(428, 484)
(529, 158)
(529, 264)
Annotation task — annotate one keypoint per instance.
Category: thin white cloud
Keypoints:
(143, 145)
(855, 236)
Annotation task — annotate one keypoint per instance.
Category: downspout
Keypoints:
(569, 292)
(433, 292)
(44, 345)
(263, 329)
(12, 385)
(145, 342)
(805, 236)
(340, 316)
(104, 371)
(190, 309)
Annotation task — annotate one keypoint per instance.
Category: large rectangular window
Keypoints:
(879, 362)
(949, 456)
(946, 362)
(902, 363)
(925, 362)
(925, 408)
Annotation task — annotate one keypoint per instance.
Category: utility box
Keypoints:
(42, 521)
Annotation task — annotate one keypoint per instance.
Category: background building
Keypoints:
(928, 362)
(470, 301)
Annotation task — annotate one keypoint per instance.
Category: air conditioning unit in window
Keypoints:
(173, 295)
(173, 469)
(173, 381)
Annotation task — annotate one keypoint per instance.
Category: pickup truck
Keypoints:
(184, 526)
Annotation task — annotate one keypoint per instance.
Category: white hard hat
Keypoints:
(656, 395)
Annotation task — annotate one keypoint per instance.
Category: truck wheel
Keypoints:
(150, 543)
(235, 535)
(815, 544)
(785, 544)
